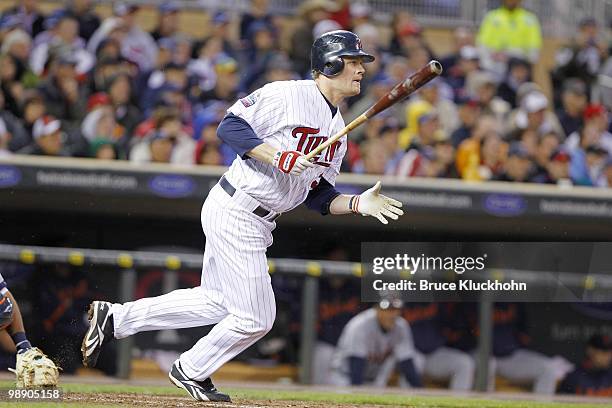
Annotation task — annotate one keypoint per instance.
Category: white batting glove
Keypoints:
(291, 162)
(370, 202)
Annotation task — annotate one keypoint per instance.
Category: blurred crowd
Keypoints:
(74, 84)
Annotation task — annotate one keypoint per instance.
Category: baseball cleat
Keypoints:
(199, 390)
(100, 331)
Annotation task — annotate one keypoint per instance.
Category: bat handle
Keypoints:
(358, 121)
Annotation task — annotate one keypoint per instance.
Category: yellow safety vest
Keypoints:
(515, 30)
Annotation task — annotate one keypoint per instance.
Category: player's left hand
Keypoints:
(34, 369)
(371, 202)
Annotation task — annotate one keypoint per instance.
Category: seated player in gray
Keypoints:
(372, 345)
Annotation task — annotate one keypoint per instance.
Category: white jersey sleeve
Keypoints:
(3, 287)
(261, 109)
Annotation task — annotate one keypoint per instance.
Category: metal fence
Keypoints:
(558, 18)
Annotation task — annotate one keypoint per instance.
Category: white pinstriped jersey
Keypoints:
(289, 115)
(3, 288)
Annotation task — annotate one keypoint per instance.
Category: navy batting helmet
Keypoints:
(327, 52)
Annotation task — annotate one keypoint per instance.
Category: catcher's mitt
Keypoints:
(34, 369)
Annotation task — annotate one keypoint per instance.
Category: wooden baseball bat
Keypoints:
(399, 92)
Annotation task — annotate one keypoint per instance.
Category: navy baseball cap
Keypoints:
(517, 149)
(220, 17)
(600, 342)
(169, 7)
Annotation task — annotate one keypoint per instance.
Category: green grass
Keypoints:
(291, 395)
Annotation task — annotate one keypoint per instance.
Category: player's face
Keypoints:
(387, 317)
(349, 80)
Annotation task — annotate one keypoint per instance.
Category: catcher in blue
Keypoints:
(271, 131)
(33, 368)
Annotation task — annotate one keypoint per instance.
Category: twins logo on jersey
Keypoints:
(309, 139)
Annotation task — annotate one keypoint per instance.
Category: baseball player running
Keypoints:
(271, 130)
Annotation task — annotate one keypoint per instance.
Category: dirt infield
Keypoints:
(139, 400)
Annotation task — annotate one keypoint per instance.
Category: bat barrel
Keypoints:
(435, 67)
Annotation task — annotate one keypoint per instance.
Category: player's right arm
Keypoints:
(247, 123)
(10, 315)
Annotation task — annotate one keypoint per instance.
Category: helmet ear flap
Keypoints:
(333, 66)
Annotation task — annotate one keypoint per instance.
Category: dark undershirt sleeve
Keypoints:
(357, 366)
(320, 198)
(238, 134)
(410, 373)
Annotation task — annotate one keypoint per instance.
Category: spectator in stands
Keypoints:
(467, 61)
(339, 302)
(518, 165)
(446, 109)
(547, 147)
(64, 97)
(483, 86)
(374, 158)
(10, 86)
(419, 157)
(17, 44)
(432, 358)
(168, 79)
(120, 93)
(372, 344)
(208, 154)
(605, 179)
(168, 20)
(573, 104)
(226, 84)
(379, 87)
(202, 68)
(594, 376)
(462, 37)
(86, 16)
(556, 170)
(258, 55)
(5, 138)
(205, 132)
(61, 36)
(407, 36)
(279, 69)
(469, 112)
(508, 31)
(443, 160)
(596, 119)
(99, 128)
(258, 12)
(48, 138)
(585, 156)
(533, 115)
(29, 16)
(582, 59)
(137, 46)
(310, 13)
(519, 72)
(167, 143)
(183, 49)
(33, 108)
(468, 157)
(389, 137)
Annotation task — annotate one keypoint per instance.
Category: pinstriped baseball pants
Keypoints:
(235, 292)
